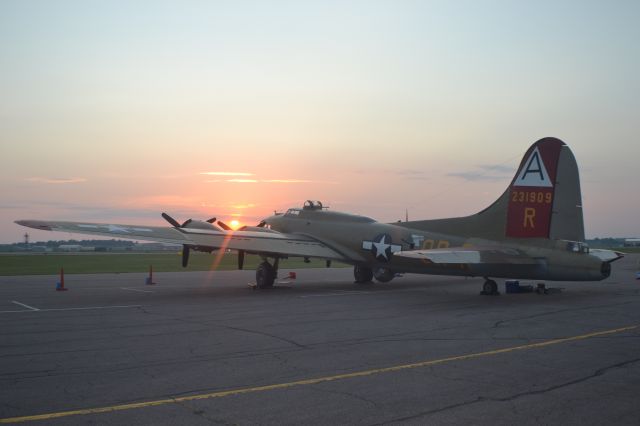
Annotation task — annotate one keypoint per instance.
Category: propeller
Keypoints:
(186, 248)
(224, 226)
(171, 220)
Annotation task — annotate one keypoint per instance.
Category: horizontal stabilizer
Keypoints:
(606, 255)
(469, 256)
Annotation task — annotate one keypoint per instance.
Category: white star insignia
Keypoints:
(381, 247)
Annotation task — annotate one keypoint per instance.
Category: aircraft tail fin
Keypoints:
(543, 201)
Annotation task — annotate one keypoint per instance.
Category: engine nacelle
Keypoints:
(200, 224)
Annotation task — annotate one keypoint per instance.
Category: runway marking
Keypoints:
(25, 306)
(306, 382)
(86, 308)
(138, 290)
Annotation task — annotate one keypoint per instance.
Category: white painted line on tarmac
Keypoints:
(135, 289)
(87, 308)
(25, 306)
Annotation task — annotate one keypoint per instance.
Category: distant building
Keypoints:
(74, 247)
(632, 242)
(157, 247)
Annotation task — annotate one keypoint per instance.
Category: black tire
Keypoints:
(490, 287)
(383, 275)
(362, 274)
(265, 275)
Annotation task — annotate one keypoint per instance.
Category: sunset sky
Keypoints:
(118, 111)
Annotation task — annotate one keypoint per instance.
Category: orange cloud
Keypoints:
(287, 181)
(56, 181)
(268, 181)
(226, 173)
(243, 206)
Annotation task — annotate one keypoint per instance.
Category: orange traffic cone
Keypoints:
(149, 280)
(60, 284)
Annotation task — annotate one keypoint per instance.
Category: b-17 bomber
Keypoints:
(534, 230)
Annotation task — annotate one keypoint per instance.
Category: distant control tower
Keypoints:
(26, 238)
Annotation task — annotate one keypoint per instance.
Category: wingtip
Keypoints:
(36, 224)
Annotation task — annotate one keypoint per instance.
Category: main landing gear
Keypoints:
(489, 288)
(365, 275)
(362, 274)
(266, 273)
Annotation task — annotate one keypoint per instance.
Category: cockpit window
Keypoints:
(292, 212)
(312, 205)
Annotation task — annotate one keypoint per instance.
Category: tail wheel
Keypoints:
(265, 275)
(489, 287)
(362, 274)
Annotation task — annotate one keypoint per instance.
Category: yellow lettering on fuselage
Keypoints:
(429, 244)
(529, 215)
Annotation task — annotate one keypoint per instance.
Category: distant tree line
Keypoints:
(606, 242)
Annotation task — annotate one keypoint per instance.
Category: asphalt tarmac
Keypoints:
(204, 348)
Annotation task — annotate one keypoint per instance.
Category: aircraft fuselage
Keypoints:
(364, 241)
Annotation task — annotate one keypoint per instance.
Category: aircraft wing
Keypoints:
(251, 241)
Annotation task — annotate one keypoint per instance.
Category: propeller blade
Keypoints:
(224, 226)
(185, 255)
(171, 220)
(213, 219)
(240, 259)
(261, 224)
(186, 222)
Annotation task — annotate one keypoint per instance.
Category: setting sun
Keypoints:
(235, 224)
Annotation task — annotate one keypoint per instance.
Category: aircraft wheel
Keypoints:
(362, 274)
(490, 287)
(265, 275)
(384, 275)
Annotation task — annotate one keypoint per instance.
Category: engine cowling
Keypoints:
(199, 224)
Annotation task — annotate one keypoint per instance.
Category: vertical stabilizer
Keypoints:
(543, 201)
